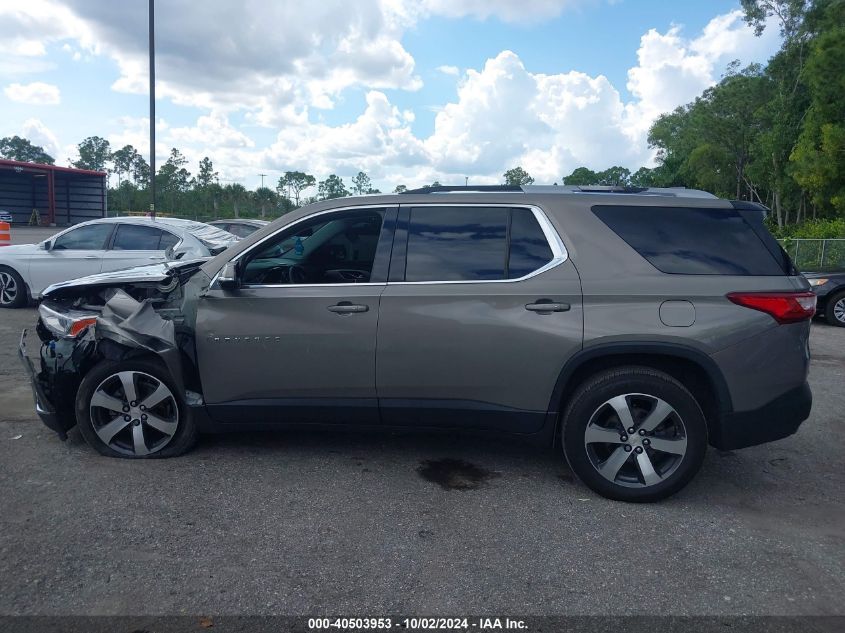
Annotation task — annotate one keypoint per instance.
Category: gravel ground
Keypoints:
(377, 523)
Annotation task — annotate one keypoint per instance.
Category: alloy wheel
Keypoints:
(635, 440)
(134, 413)
(839, 310)
(8, 289)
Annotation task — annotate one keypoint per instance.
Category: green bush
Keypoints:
(831, 228)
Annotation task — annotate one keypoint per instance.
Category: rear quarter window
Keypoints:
(692, 241)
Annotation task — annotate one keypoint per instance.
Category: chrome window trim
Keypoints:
(559, 252)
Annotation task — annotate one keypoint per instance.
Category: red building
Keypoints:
(62, 195)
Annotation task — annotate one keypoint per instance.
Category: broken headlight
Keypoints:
(66, 324)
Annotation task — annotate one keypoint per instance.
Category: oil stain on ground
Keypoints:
(455, 474)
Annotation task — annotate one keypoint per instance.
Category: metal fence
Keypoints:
(816, 254)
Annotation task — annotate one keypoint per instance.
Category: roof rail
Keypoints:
(672, 192)
(611, 189)
(467, 189)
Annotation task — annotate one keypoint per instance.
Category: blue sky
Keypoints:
(407, 90)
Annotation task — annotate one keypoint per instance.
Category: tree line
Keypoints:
(773, 134)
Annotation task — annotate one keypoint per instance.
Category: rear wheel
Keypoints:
(132, 409)
(12, 288)
(834, 313)
(634, 434)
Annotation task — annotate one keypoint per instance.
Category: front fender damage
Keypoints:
(136, 325)
(144, 318)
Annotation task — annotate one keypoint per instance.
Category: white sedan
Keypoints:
(102, 246)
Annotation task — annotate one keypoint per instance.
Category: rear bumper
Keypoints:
(43, 407)
(773, 421)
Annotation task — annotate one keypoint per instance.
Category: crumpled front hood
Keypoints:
(151, 273)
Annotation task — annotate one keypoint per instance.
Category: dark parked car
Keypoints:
(830, 289)
(629, 327)
(240, 227)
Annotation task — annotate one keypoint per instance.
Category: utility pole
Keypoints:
(152, 110)
(262, 180)
(466, 181)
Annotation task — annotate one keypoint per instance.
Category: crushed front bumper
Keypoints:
(43, 407)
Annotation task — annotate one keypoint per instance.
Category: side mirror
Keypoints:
(47, 245)
(228, 277)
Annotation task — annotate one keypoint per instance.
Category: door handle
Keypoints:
(345, 307)
(547, 307)
(157, 257)
(90, 257)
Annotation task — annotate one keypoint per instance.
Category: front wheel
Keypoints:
(132, 409)
(634, 434)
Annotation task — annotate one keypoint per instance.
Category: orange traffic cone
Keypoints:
(5, 234)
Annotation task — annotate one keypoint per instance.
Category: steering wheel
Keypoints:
(297, 274)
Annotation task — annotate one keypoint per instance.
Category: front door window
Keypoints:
(328, 249)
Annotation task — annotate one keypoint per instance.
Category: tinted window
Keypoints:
(167, 240)
(241, 230)
(691, 241)
(331, 248)
(85, 238)
(133, 237)
(456, 244)
(529, 249)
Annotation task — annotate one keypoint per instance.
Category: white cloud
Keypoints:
(213, 130)
(505, 115)
(276, 66)
(272, 54)
(673, 70)
(380, 136)
(35, 93)
(40, 134)
(525, 11)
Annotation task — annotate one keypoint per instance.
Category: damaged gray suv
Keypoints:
(630, 327)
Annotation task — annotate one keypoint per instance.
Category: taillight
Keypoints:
(784, 307)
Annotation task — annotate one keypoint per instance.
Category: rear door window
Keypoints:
(135, 237)
(456, 244)
(692, 241)
(474, 244)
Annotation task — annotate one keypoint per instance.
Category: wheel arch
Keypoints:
(691, 367)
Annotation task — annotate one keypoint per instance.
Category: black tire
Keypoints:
(92, 420)
(829, 310)
(12, 282)
(640, 385)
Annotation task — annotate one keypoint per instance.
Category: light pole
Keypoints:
(152, 111)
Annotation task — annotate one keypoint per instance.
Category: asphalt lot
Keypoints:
(320, 522)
